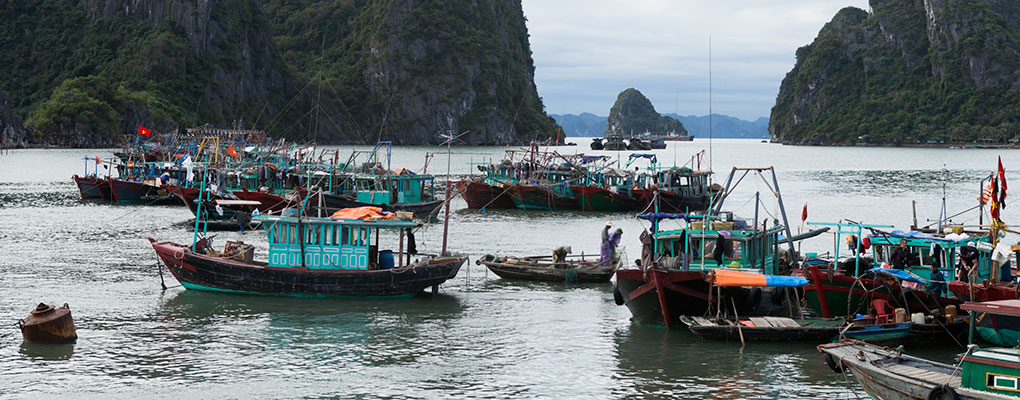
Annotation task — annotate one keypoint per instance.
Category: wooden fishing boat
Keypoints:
(540, 197)
(762, 329)
(677, 283)
(479, 194)
(310, 257)
(594, 198)
(542, 268)
(982, 373)
(128, 191)
(907, 333)
(846, 287)
(93, 188)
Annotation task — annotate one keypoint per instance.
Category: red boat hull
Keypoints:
(93, 188)
(478, 195)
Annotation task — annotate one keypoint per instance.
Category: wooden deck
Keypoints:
(926, 375)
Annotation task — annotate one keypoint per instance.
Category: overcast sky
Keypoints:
(587, 51)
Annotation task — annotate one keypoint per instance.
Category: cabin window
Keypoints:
(1002, 382)
(333, 235)
(291, 234)
(345, 233)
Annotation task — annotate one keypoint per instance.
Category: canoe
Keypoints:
(541, 268)
(764, 329)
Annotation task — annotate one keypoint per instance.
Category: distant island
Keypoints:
(723, 126)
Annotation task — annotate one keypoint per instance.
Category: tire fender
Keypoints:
(617, 296)
(943, 392)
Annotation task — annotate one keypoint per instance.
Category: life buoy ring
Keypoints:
(617, 296)
(835, 366)
(943, 392)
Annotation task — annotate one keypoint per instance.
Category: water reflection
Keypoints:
(47, 351)
(657, 362)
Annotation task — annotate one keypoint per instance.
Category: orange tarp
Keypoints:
(366, 212)
(725, 277)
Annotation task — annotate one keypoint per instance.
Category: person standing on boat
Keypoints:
(901, 256)
(968, 262)
(607, 253)
(646, 249)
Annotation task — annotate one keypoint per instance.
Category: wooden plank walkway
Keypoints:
(930, 376)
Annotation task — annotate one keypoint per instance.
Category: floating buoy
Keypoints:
(49, 324)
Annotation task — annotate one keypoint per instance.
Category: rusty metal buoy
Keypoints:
(48, 324)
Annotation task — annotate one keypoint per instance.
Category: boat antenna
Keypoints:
(710, 108)
(943, 214)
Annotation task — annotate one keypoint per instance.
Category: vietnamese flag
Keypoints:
(97, 160)
(803, 214)
(232, 151)
(1002, 184)
(144, 131)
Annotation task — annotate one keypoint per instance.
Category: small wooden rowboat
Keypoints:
(49, 324)
(542, 268)
(776, 329)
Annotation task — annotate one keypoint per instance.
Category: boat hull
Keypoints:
(530, 197)
(838, 295)
(661, 297)
(208, 273)
(888, 375)
(479, 194)
(138, 192)
(93, 188)
(814, 330)
(591, 198)
(671, 202)
(571, 272)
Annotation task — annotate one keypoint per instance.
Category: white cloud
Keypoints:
(587, 51)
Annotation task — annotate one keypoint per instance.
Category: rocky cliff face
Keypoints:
(335, 72)
(910, 71)
(12, 132)
(633, 114)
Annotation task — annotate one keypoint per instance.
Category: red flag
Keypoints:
(1002, 184)
(994, 207)
(232, 151)
(803, 214)
(144, 131)
(97, 160)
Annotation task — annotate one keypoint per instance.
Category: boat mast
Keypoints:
(710, 108)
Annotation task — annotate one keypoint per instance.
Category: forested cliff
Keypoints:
(350, 71)
(906, 71)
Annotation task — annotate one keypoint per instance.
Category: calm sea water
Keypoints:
(482, 336)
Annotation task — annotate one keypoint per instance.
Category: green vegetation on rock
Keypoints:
(82, 73)
(903, 74)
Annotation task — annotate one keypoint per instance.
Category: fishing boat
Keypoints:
(727, 326)
(478, 194)
(614, 142)
(657, 144)
(544, 268)
(311, 257)
(543, 197)
(764, 329)
(676, 284)
(682, 189)
(596, 144)
(982, 373)
(849, 285)
(93, 188)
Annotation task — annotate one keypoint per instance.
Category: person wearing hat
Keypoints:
(607, 253)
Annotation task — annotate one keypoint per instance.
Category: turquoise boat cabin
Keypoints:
(921, 257)
(742, 249)
(399, 188)
(328, 243)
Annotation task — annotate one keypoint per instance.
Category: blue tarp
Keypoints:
(899, 274)
(914, 235)
(591, 159)
(658, 216)
(785, 281)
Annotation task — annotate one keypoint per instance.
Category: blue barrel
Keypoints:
(386, 259)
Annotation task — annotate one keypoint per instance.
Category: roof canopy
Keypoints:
(1001, 307)
(725, 277)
